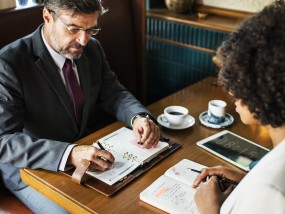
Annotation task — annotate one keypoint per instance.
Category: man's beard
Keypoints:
(64, 50)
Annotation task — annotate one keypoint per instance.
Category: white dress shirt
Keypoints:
(262, 190)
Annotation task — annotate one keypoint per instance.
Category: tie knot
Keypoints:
(68, 64)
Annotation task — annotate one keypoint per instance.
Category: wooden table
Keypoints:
(81, 199)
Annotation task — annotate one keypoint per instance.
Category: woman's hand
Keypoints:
(211, 191)
(219, 171)
(209, 196)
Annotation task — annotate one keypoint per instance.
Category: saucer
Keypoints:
(204, 120)
(188, 122)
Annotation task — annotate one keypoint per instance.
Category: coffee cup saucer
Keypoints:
(204, 119)
(188, 122)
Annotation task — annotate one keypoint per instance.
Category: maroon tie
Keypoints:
(74, 90)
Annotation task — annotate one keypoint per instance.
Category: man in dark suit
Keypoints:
(50, 82)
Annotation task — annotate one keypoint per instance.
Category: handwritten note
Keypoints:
(173, 191)
(171, 196)
(122, 167)
(128, 155)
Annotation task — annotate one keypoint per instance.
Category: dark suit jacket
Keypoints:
(37, 122)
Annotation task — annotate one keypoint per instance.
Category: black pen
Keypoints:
(100, 145)
(219, 177)
(102, 148)
(139, 142)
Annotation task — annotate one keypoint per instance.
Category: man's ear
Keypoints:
(47, 16)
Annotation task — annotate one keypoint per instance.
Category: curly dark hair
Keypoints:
(254, 64)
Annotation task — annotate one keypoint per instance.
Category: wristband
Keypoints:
(143, 115)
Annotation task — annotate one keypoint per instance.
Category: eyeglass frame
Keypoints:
(76, 30)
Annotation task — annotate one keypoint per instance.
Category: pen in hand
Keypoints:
(139, 142)
(100, 145)
(219, 177)
(102, 148)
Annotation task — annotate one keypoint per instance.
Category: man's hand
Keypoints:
(147, 132)
(99, 159)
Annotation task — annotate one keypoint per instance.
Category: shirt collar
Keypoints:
(58, 59)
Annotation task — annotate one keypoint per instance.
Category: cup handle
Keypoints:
(164, 119)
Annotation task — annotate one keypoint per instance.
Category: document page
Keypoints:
(128, 155)
(170, 196)
(123, 141)
(173, 191)
(122, 167)
(182, 171)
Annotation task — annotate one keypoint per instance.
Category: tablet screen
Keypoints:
(233, 148)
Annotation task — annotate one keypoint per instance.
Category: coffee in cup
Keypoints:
(175, 115)
(216, 111)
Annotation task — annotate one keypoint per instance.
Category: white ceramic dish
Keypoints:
(204, 120)
(188, 122)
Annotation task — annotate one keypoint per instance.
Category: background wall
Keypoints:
(252, 6)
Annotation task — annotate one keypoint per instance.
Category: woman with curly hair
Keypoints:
(253, 71)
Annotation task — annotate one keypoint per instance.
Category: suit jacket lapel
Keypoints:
(83, 72)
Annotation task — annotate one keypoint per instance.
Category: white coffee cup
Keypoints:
(216, 111)
(175, 115)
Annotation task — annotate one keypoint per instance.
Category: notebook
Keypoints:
(173, 192)
(128, 155)
(126, 169)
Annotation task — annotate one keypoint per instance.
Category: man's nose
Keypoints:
(83, 38)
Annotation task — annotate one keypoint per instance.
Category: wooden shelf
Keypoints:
(212, 21)
(221, 12)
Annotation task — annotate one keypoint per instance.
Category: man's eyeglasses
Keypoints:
(75, 30)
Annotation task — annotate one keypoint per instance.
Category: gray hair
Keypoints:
(76, 6)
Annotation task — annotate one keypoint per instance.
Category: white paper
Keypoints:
(173, 191)
(122, 167)
(128, 155)
(123, 141)
(182, 171)
(170, 196)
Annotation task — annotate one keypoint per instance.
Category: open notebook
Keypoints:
(172, 192)
(128, 155)
(131, 161)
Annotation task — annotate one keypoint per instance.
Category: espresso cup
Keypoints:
(216, 111)
(175, 115)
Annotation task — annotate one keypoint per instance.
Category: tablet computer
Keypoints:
(233, 148)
